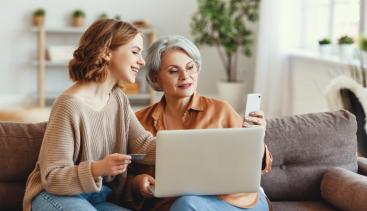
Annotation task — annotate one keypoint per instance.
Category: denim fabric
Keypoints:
(45, 201)
(213, 203)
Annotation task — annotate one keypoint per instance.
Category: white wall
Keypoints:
(311, 77)
(18, 43)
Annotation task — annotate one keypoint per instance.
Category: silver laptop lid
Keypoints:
(208, 161)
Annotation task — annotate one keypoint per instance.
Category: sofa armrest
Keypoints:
(344, 189)
(362, 166)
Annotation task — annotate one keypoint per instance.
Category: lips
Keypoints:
(185, 86)
(134, 69)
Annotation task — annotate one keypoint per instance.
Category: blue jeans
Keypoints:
(45, 201)
(213, 203)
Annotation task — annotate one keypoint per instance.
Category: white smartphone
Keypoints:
(252, 103)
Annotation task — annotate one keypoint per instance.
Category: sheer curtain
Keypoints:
(279, 32)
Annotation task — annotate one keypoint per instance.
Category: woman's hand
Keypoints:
(111, 165)
(142, 183)
(256, 118)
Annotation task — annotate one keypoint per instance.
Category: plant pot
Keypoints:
(233, 93)
(38, 20)
(325, 50)
(364, 57)
(78, 21)
(346, 52)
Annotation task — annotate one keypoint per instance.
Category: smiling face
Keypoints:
(126, 60)
(178, 74)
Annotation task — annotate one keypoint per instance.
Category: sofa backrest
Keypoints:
(303, 147)
(19, 147)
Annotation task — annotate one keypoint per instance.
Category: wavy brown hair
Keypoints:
(103, 36)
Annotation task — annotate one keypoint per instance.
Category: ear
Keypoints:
(107, 56)
(155, 78)
(156, 82)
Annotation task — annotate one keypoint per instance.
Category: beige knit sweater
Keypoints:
(75, 136)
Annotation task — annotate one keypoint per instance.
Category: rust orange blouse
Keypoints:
(202, 112)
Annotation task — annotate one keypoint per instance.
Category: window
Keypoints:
(330, 18)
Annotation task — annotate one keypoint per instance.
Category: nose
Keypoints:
(141, 62)
(183, 74)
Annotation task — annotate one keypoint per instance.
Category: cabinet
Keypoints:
(145, 95)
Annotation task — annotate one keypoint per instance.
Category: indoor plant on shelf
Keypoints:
(358, 71)
(325, 47)
(363, 48)
(78, 18)
(39, 17)
(346, 49)
(225, 24)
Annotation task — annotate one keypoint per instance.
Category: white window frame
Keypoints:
(363, 16)
(362, 22)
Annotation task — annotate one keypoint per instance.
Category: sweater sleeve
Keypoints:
(140, 140)
(59, 174)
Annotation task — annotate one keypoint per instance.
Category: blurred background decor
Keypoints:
(78, 18)
(39, 17)
(225, 25)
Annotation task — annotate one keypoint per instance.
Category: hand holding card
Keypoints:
(135, 157)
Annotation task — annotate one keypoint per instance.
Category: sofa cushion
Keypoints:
(344, 189)
(303, 148)
(302, 206)
(19, 146)
(11, 196)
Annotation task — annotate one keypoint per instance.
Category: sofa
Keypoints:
(315, 166)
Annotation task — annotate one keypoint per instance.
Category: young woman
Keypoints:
(92, 129)
(173, 65)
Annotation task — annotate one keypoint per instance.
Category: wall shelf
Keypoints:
(77, 30)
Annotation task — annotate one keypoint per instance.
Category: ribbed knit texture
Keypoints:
(76, 135)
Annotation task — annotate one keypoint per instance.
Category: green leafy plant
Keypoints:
(345, 40)
(103, 16)
(325, 41)
(117, 17)
(39, 12)
(363, 43)
(78, 13)
(225, 25)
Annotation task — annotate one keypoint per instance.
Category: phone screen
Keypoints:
(252, 103)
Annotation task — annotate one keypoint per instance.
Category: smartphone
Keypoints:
(135, 157)
(252, 103)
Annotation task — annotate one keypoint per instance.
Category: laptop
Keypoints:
(208, 161)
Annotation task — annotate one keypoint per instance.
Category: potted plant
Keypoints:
(118, 17)
(103, 16)
(226, 25)
(325, 47)
(78, 18)
(363, 48)
(39, 17)
(346, 49)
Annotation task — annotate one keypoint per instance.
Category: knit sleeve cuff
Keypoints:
(87, 181)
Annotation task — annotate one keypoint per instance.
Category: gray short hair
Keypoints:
(154, 55)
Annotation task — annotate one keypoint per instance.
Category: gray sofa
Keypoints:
(314, 168)
(315, 164)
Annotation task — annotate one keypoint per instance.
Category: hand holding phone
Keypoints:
(252, 103)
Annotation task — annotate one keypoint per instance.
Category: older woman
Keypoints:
(174, 64)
